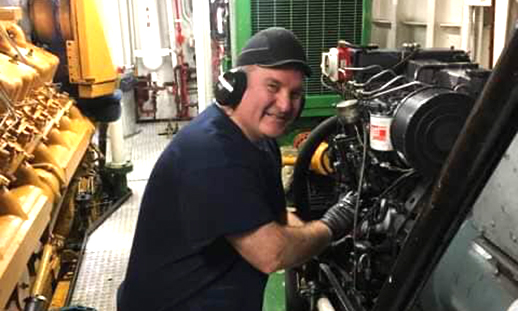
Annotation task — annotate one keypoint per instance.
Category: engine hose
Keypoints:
(301, 168)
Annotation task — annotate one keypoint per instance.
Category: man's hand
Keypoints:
(340, 217)
(294, 220)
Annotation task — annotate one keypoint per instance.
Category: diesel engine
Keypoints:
(400, 114)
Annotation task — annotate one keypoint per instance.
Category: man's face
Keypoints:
(270, 103)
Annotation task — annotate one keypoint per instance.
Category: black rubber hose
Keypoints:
(301, 168)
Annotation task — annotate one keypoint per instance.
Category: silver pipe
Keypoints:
(384, 86)
(480, 33)
(121, 24)
(401, 87)
(374, 77)
(185, 16)
(368, 68)
(131, 27)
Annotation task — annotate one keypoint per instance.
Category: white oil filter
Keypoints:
(380, 132)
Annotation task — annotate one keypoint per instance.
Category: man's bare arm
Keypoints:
(273, 246)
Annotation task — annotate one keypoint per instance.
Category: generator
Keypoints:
(382, 156)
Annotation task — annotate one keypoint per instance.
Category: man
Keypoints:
(213, 221)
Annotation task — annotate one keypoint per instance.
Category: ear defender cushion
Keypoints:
(230, 87)
(302, 104)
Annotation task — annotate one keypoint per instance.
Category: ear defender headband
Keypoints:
(230, 87)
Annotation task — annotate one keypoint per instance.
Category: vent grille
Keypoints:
(319, 24)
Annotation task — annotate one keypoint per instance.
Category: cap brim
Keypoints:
(305, 68)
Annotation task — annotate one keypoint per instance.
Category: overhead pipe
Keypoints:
(131, 26)
(488, 132)
(171, 31)
(186, 16)
(467, 14)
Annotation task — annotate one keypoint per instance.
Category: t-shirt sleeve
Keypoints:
(220, 201)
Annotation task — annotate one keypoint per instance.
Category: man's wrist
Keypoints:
(326, 229)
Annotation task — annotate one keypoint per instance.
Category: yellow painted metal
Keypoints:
(89, 51)
(288, 160)
(14, 44)
(31, 191)
(21, 242)
(60, 295)
(16, 78)
(11, 13)
(96, 90)
(43, 135)
(320, 161)
(319, 164)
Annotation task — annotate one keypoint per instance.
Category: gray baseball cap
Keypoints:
(273, 47)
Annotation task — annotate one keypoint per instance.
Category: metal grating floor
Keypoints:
(107, 249)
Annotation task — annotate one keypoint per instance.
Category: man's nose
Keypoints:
(285, 103)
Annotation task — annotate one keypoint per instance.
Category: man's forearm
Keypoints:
(304, 242)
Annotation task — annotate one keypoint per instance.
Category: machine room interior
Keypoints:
(410, 109)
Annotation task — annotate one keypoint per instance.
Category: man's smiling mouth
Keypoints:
(282, 117)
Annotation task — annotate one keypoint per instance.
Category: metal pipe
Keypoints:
(401, 87)
(488, 132)
(374, 77)
(466, 27)
(131, 27)
(384, 86)
(121, 25)
(171, 31)
(361, 69)
(185, 16)
(480, 33)
(492, 35)
(116, 143)
(43, 270)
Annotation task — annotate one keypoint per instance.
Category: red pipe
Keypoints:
(179, 37)
(183, 111)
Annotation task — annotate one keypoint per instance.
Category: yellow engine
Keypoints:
(43, 138)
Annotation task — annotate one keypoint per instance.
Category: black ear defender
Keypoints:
(302, 104)
(230, 87)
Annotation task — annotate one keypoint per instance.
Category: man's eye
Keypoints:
(273, 88)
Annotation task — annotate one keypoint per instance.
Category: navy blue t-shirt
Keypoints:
(210, 182)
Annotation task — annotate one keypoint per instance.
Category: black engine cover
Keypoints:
(426, 125)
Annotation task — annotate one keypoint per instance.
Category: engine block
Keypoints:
(43, 138)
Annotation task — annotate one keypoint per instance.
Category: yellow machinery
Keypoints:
(45, 151)
(88, 58)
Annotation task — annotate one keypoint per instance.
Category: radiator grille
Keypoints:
(319, 24)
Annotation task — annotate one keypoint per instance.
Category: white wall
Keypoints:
(441, 23)
(149, 49)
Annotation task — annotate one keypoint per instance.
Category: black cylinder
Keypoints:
(426, 125)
